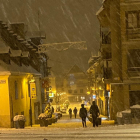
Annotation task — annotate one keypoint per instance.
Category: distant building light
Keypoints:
(108, 94)
(94, 96)
(51, 94)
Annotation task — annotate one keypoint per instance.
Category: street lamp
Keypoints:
(32, 93)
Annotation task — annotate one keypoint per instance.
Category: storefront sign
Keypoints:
(33, 90)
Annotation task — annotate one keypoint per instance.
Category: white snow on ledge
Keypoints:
(126, 111)
(135, 106)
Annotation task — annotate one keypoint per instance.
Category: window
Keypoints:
(16, 90)
(22, 113)
(69, 91)
(133, 24)
(133, 60)
(71, 82)
(132, 20)
(81, 90)
(75, 91)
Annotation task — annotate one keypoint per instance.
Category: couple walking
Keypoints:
(74, 111)
(94, 111)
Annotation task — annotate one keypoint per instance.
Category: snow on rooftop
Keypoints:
(15, 53)
(3, 47)
(135, 106)
(15, 69)
(25, 54)
(99, 11)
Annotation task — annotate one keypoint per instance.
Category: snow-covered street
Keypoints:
(66, 129)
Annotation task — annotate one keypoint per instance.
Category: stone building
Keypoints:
(119, 20)
(21, 71)
(96, 85)
(75, 85)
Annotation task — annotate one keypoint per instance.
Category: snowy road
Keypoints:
(71, 129)
(105, 133)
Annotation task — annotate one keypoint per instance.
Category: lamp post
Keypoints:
(32, 93)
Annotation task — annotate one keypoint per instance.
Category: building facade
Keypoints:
(21, 71)
(75, 85)
(119, 20)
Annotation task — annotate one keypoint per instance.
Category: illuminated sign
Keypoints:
(33, 90)
(51, 94)
(94, 96)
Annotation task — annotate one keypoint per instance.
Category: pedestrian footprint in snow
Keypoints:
(83, 115)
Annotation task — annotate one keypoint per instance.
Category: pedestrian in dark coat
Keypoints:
(83, 115)
(94, 111)
(75, 112)
(70, 113)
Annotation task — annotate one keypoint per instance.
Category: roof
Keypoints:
(3, 47)
(75, 69)
(15, 53)
(99, 11)
(13, 68)
(92, 58)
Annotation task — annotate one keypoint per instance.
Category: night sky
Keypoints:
(63, 21)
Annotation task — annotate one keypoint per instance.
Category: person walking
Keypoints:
(70, 113)
(75, 112)
(83, 115)
(94, 111)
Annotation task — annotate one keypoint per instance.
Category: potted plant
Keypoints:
(43, 119)
(19, 121)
